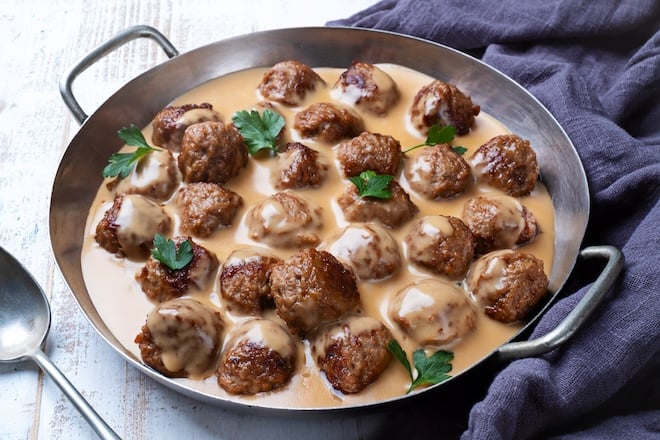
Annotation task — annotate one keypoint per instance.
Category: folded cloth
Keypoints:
(596, 67)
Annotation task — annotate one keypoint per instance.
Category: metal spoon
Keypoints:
(24, 324)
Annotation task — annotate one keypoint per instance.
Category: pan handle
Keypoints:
(123, 37)
(578, 316)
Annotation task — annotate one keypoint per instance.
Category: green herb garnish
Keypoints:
(370, 184)
(430, 370)
(166, 251)
(259, 131)
(437, 135)
(460, 150)
(121, 164)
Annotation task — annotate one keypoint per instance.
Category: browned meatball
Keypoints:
(212, 152)
(129, 225)
(353, 353)
(155, 176)
(368, 87)
(391, 212)
(288, 82)
(508, 163)
(327, 123)
(170, 123)
(205, 207)
(260, 356)
(160, 283)
(442, 104)
(300, 167)
(181, 338)
(312, 287)
(245, 279)
(370, 152)
(498, 222)
(442, 244)
(438, 172)
(509, 284)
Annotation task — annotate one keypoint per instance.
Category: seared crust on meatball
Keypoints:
(205, 207)
(508, 163)
(498, 222)
(370, 152)
(288, 82)
(442, 104)
(368, 87)
(260, 357)
(211, 152)
(327, 123)
(508, 283)
(442, 244)
(170, 123)
(300, 167)
(160, 283)
(353, 353)
(438, 172)
(312, 287)
(392, 212)
(245, 280)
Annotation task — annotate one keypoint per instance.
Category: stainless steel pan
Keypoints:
(79, 173)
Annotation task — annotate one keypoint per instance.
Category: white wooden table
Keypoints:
(39, 40)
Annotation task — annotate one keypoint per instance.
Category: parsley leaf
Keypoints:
(121, 164)
(460, 150)
(430, 370)
(437, 135)
(370, 184)
(166, 251)
(259, 131)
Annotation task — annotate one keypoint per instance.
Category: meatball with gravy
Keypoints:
(433, 312)
(438, 172)
(211, 152)
(171, 122)
(205, 207)
(288, 82)
(325, 122)
(160, 283)
(353, 353)
(508, 284)
(128, 227)
(442, 104)
(260, 356)
(442, 244)
(155, 176)
(367, 87)
(392, 212)
(299, 167)
(370, 152)
(498, 222)
(181, 338)
(311, 288)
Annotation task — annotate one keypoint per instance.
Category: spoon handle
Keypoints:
(98, 424)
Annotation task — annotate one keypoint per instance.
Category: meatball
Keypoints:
(128, 227)
(370, 152)
(391, 212)
(498, 222)
(300, 167)
(245, 279)
(508, 283)
(285, 220)
(508, 163)
(181, 338)
(205, 207)
(441, 244)
(160, 283)
(368, 248)
(155, 175)
(212, 152)
(260, 356)
(170, 123)
(433, 312)
(353, 353)
(368, 87)
(326, 122)
(438, 172)
(288, 82)
(312, 287)
(442, 104)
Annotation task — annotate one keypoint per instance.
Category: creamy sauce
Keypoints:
(124, 307)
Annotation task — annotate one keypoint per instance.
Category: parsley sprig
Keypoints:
(370, 184)
(430, 370)
(121, 164)
(439, 135)
(166, 251)
(259, 131)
